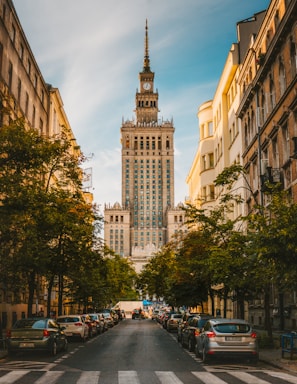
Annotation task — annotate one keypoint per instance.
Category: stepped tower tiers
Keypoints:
(139, 227)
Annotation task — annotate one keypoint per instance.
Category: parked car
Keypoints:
(183, 323)
(155, 314)
(173, 321)
(192, 330)
(97, 319)
(91, 323)
(114, 316)
(36, 334)
(104, 321)
(75, 326)
(108, 318)
(225, 337)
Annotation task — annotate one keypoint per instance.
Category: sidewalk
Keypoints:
(273, 356)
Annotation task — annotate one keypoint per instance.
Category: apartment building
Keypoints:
(268, 114)
(253, 116)
(25, 94)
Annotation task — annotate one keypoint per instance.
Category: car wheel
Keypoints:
(54, 348)
(65, 346)
(197, 353)
(191, 345)
(182, 342)
(10, 352)
(205, 357)
(253, 360)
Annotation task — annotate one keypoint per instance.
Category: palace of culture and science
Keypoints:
(147, 217)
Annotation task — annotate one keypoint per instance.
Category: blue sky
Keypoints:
(93, 51)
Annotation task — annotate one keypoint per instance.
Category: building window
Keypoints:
(19, 90)
(10, 71)
(27, 103)
(13, 33)
(21, 52)
(293, 57)
(29, 67)
(272, 93)
(33, 116)
(282, 78)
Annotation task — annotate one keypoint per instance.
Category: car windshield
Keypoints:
(232, 328)
(30, 323)
(67, 319)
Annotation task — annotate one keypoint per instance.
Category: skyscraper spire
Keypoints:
(146, 59)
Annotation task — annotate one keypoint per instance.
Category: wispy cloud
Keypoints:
(93, 53)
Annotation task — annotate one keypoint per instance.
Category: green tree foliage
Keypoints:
(45, 224)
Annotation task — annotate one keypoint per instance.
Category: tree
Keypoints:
(43, 217)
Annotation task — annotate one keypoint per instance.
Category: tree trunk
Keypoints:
(60, 298)
(31, 290)
(49, 295)
(212, 302)
(281, 312)
(267, 322)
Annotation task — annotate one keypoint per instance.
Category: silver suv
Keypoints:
(227, 337)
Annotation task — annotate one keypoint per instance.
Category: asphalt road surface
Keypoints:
(133, 352)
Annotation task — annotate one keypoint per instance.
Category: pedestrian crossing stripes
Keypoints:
(134, 377)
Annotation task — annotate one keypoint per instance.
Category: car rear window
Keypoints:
(30, 323)
(201, 322)
(232, 328)
(68, 320)
(177, 316)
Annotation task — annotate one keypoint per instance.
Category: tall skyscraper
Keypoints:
(146, 219)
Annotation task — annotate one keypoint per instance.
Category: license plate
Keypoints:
(26, 345)
(68, 333)
(232, 338)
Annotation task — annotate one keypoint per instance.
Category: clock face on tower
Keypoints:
(146, 86)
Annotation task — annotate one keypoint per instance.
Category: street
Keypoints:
(133, 352)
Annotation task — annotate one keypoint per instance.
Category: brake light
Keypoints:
(46, 333)
(210, 334)
(254, 335)
(8, 333)
(78, 324)
(197, 332)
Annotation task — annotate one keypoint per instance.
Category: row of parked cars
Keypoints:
(53, 334)
(211, 337)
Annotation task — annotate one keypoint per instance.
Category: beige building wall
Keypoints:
(201, 175)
